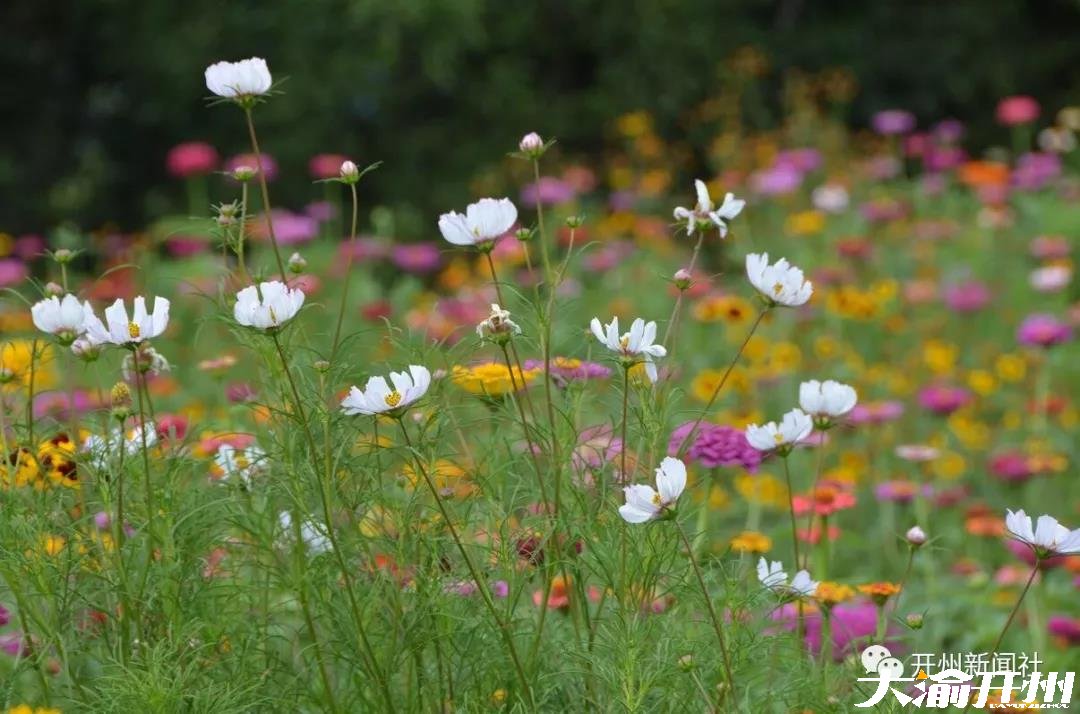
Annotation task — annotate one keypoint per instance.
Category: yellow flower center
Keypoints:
(778, 438)
(624, 341)
(134, 330)
(656, 499)
(393, 398)
(778, 288)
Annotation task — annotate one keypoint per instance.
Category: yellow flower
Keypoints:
(634, 124)
(784, 357)
(763, 489)
(730, 309)
(1010, 368)
(805, 223)
(751, 542)
(492, 379)
(826, 347)
(449, 478)
(974, 434)
(16, 357)
(830, 593)
(940, 356)
(53, 545)
(718, 498)
(949, 465)
(982, 382)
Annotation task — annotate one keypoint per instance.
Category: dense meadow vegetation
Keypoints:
(609, 439)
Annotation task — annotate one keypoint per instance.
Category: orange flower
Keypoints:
(559, 597)
(983, 173)
(879, 592)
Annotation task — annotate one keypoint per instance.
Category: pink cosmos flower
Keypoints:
(968, 296)
(191, 158)
(944, 399)
(326, 166)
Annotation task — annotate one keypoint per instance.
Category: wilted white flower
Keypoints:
(643, 503)
(793, 428)
(780, 283)
(237, 80)
(481, 224)
(498, 325)
(122, 331)
(144, 360)
(705, 212)
(379, 398)
(269, 306)
(634, 346)
(311, 534)
(826, 401)
(772, 576)
(1048, 538)
(65, 319)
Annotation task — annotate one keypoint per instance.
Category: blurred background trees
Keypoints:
(97, 91)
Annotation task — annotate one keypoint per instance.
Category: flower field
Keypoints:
(611, 437)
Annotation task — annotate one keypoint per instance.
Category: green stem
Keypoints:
(348, 274)
(265, 193)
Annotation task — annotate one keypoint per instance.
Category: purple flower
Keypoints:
(968, 296)
(1035, 170)
(321, 211)
(364, 248)
(876, 412)
(948, 131)
(550, 191)
(269, 165)
(500, 588)
(776, 181)
(1065, 627)
(571, 369)
(802, 160)
(289, 228)
(892, 122)
(716, 445)
(1042, 330)
(850, 626)
(901, 491)
(5, 616)
(417, 257)
(944, 399)
(12, 272)
(1011, 466)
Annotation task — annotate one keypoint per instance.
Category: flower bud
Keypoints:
(682, 279)
(297, 264)
(321, 366)
(686, 662)
(244, 173)
(914, 620)
(523, 234)
(915, 536)
(64, 256)
(349, 172)
(6, 375)
(53, 290)
(575, 221)
(531, 145)
(85, 350)
(120, 396)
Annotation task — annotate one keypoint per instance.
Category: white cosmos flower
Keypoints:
(643, 503)
(233, 80)
(66, 319)
(119, 330)
(231, 462)
(379, 398)
(498, 323)
(793, 428)
(830, 198)
(772, 576)
(780, 283)
(634, 346)
(482, 222)
(316, 541)
(270, 306)
(101, 449)
(705, 211)
(826, 400)
(1047, 538)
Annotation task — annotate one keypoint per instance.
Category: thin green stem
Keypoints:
(265, 193)
(348, 274)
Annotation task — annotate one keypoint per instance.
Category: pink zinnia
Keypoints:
(326, 166)
(1042, 330)
(1011, 465)
(1065, 628)
(944, 399)
(192, 158)
(968, 296)
(876, 412)
(716, 445)
(1019, 109)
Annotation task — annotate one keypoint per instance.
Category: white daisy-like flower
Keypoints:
(119, 330)
(237, 80)
(705, 211)
(780, 283)
(269, 306)
(315, 540)
(643, 503)
(773, 577)
(64, 318)
(231, 463)
(481, 224)
(634, 346)
(378, 397)
(828, 400)
(1048, 537)
(498, 324)
(795, 426)
(771, 574)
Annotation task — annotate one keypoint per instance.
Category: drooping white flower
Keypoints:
(780, 283)
(481, 224)
(119, 330)
(826, 400)
(65, 319)
(379, 398)
(498, 324)
(235, 80)
(1047, 538)
(793, 428)
(231, 463)
(772, 576)
(634, 346)
(705, 211)
(269, 306)
(316, 541)
(643, 503)
(145, 360)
